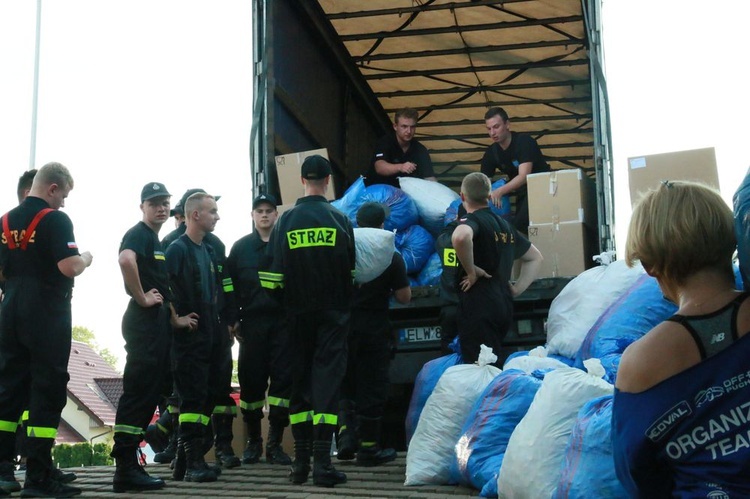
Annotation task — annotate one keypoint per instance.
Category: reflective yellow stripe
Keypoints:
(301, 417)
(225, 409)
(271, 280)
(8, 426)
(158, 255)
(251, 406)
(25, 416)
(367, 444)
(161, 427)
(194, 418)
(228, 285)
(173, 409)
(278, 402)
(325, 419)
(308, 238)
(130, 430)
(41, 432)
(449, 257)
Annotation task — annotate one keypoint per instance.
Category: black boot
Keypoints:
(8, 482)
(129, 475)
(254, 447)
(158, 434)
(301, 466)
(179, 465)
(197, 469)
(370, 453)
(346, 438)
(223, 447)
(274, 453)
(324, 474)
(170, 451)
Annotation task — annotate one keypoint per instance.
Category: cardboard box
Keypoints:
(561, 196)
(288, 172)
(564, 246)
(645, 172)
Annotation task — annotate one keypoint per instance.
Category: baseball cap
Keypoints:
(372, 214)
(264, 198)
(179, 208)
(153, 190)
(315, 167)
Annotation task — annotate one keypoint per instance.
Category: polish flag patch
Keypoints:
(72, 245)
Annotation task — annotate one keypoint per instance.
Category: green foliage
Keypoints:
(82, 454)
(235, 376)
(86, 335)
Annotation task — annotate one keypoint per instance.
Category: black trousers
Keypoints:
(147, 335)
(369, 358)
(222, 359)
(264, 357)
(319, 353)
(35, 335)
(484, 317)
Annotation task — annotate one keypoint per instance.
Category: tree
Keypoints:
(85, 335)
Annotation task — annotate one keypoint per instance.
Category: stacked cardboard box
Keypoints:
(562, 220)
(288, 172)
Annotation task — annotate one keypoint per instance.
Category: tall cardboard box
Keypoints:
(288, 171)
(561, 196)
(645, 172)
(565, 247)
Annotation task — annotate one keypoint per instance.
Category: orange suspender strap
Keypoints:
(29, 230)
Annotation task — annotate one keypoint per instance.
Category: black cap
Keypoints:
(372, 214)
(264, 198)
(179, 208)
(153, 190)
(315, 167)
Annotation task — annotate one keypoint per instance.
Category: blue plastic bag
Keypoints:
(504, 208)
(431, 271)
(415, 245)
(742, 227)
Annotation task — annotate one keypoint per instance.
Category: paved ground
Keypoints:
(263, 480)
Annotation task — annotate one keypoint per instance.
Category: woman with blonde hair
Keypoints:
(681, 416)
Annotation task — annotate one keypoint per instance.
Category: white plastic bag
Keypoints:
(533, 459)
(431, 198)
(374, 249)
(582, 301)
(432, 448)
(536, 359)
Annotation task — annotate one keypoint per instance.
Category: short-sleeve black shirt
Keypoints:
(150, 257)
(375, 295)
(388, 149)
(523, 149)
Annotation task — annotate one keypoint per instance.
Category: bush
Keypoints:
(83, 454)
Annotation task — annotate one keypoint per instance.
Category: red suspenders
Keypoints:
(29, 230)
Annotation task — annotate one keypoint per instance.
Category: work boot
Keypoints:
(346, 438)
(300, 469)
(8, 482)
(156, 436)
(223, 447)
(169, 452)
(370, 453)
(63, 476)
(274, 453)
(197, 470)
(48, 487)
(179, 465)
(130, 476)
(324, 474)
(254, 447)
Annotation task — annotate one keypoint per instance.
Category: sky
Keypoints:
(137, 91)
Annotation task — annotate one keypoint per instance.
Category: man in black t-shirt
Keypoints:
(365, 386)
(515, 155)
(399, 154)
(486, 247)
(146, 329)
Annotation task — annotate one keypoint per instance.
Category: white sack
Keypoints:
(431, 198)
(374, 248)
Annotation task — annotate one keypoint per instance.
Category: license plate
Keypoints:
(419, 334)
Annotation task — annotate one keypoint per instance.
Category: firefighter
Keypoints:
(39, 260)
(146, 329)
(264, 341)
(311, 258)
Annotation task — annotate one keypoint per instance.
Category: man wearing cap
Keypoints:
(226, 409)
(365, 387)
(311, 259)
(146, 330)
(264, 341)
(399, 154)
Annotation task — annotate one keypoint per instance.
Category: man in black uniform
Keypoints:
(515, 155)
(486, 246)
(448, 294)
(146, 329)
(39, 260)
(226, 409)
(264, 341)
(365, 385)
(312, 259)
(399, 154)
(195, 282)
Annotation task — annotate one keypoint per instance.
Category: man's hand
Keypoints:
(472, 277)
(497, 196)
(408, 167)
(189, 321)
(150, 298)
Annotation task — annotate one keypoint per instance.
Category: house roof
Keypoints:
(66, 434)
(85, 368)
